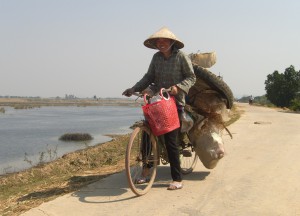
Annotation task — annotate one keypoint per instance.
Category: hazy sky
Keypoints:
(50, 48)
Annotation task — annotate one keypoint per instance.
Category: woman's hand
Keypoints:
(128, 92)
(148, 91)
(174, 90)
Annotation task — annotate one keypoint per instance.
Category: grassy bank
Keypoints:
(24, 190)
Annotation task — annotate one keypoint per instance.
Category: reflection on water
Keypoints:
(25, 134)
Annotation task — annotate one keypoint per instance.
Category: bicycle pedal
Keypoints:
(186, 153)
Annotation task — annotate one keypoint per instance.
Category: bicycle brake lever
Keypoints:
(137, 98)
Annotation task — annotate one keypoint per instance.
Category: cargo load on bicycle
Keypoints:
(209, 101)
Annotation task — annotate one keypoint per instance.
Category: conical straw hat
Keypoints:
(162, 33)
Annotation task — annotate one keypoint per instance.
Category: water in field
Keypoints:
(26, 135)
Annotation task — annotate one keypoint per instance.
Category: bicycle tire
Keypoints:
(215, 83)
(187, 164)
(134, 161)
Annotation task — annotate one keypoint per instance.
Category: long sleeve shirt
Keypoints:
(164, 73)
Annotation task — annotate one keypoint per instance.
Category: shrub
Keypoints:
(295, 105)
(76, 137)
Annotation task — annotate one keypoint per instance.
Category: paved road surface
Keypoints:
(259, 175)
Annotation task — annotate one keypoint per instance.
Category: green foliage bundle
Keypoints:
(282, 88)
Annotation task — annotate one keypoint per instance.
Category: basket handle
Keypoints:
(162, 90)
(145, 98)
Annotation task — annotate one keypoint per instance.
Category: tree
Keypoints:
(282, 88)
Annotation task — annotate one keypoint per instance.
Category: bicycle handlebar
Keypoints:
(139, 94)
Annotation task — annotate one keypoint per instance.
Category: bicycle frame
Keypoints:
(139, 157)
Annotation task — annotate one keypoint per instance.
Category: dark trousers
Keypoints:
(172, 147)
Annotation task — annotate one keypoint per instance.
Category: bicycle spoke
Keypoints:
(188, 160)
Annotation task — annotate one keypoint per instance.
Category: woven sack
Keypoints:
(205, 60)
(208, 102)
(162, 115)
(208, 143)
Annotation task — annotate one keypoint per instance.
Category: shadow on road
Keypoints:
(115, 188)
(74, 184)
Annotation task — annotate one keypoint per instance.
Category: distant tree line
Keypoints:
(70, 97)
(8, 96)
(283, 89)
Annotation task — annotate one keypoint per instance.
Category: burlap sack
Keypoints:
(211, 98)
(206, 135)
(207, 102)
(205, 60)
(208, 143)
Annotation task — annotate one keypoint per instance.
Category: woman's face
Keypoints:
(163, 45)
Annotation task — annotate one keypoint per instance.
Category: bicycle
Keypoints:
(146, 149)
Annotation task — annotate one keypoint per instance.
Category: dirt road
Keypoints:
(259, 175)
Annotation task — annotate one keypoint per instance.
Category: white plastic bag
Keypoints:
(155, 98)
(186, 122)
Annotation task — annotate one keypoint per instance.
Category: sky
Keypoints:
(88, 48)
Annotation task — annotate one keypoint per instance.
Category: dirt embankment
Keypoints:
(38, 102)
(29, 188)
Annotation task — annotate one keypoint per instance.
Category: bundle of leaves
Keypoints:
(76, 137)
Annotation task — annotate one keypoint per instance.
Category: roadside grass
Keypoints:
(24, 190)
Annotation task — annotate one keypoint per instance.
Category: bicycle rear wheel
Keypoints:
(188, 159)
(141, 152)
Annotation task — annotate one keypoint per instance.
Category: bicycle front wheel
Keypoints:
(141, 154)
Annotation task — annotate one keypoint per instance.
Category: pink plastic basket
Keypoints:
(162, 115)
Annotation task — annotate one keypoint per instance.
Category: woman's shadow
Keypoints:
(115, 188)
(107, 189)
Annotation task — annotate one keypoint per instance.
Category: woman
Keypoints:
(169, 68)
